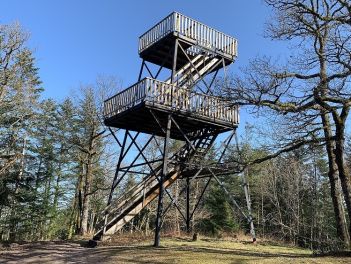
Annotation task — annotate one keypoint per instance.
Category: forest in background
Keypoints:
(57, 159)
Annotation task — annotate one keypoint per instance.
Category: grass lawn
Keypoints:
(212, 251)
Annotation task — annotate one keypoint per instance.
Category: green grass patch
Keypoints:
(182, 250)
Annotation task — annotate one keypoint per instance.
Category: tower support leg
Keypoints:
(248, 204)
(161, 190)
(188, 216)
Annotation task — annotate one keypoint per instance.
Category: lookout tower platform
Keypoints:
(191, 50)
(182, 104)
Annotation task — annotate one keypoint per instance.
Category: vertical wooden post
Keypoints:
(161, 180)
(174, 67)
(175, 55)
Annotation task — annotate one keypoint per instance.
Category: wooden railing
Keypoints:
(164, 95)
(203, 35)
(126, 99)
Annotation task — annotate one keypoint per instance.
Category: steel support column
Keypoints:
(188, 216)
(161, 190)
(248, 204)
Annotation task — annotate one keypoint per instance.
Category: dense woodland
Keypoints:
(57, 159)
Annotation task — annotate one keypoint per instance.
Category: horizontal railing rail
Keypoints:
(174, 98)
(204, 35)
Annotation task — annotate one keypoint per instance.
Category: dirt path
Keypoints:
(48, 252)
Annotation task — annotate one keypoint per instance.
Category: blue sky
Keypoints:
(75, 41)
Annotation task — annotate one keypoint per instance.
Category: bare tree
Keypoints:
(310, 92)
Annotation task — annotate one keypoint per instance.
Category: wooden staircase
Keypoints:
(193, 71)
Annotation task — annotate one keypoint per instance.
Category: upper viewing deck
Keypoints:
(157, 43)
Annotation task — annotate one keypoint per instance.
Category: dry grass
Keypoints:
(173, 250)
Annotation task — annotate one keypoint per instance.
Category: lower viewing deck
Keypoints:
(144, 107)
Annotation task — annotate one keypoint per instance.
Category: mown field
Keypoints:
(173, 250)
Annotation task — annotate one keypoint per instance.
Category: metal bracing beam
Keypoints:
(134, 172)
(208, 175)
(117, 168)
(126, 171)
(131, 143)
(114, 136)
(226, 144)
(195, 176)
(214, 77)
(149, 71)
(160, 126)
(141, 70)
(114, 179)
(163, 174)
(143, 64)
(175, 203)
(221, 184)
(159, 70)
(183, 134)
(139, 164)
(142, 154)
(163, 63)
(135, 159)
(200, 198)
(158, 145)
(157, 121)
(152, 171)
(248, 216)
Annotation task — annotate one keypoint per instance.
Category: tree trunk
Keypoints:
(87, 186)
(335, 191)
(86, 200)
(343, 171)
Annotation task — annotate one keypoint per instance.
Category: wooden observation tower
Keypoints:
(187, 55)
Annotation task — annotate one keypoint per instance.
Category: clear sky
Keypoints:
(75, 41)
